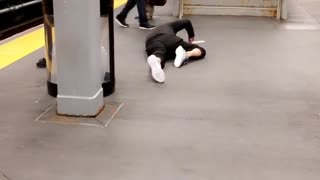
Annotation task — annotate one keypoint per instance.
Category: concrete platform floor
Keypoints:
(250, 110)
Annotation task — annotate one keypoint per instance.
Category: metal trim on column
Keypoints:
(109, 81)
(181, 4)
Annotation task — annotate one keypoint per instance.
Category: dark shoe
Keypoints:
(42, 63)
(146, 26)
(121, 22)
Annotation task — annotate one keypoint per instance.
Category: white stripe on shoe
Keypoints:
(144, 28)
(120, 24)
(156, 70)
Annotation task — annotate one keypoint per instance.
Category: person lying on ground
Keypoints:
(163, 44)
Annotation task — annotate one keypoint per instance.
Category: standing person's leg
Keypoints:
(149, 10)
(143, 20)
(156, 52)
(121, 17)
(188, 51)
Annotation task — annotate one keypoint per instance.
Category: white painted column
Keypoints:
(284, 11)
(176, 7)
(77, 24)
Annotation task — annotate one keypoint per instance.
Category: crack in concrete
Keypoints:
(3, 176)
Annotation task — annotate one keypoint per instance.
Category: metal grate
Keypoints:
(105, 117)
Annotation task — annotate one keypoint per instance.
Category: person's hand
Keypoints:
(191, 40)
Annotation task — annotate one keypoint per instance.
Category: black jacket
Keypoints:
(173, 28)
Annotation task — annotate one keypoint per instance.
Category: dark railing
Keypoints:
(19, 15)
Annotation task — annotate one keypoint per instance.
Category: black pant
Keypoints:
(164, 45)
(141, 5)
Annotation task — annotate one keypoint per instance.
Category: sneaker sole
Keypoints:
(178, 61)
(120, 24)
(146, 28)
(156, 71)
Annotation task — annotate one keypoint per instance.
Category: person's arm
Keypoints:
(183, 24)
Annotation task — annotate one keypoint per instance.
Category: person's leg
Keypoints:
(188, 51)
(129, 5)
(149, 11)
(175, 50)
(195, 52)
(156, 52)
(143, 20)
(141, 5)
(121, 17)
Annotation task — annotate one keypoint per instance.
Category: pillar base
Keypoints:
(108, 87)
(80, 105)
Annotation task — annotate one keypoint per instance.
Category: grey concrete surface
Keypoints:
(304, 12)
(311, 7)
(3, 176)
(250, 110)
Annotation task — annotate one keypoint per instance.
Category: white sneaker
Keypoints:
(181, 56)
(156, 70)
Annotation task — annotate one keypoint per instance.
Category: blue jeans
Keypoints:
(141, 5)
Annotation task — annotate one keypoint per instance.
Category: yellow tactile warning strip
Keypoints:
(20, 47)
(16, 49)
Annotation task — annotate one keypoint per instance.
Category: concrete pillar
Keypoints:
(77, 24)
(176, 5)
(284, 9)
